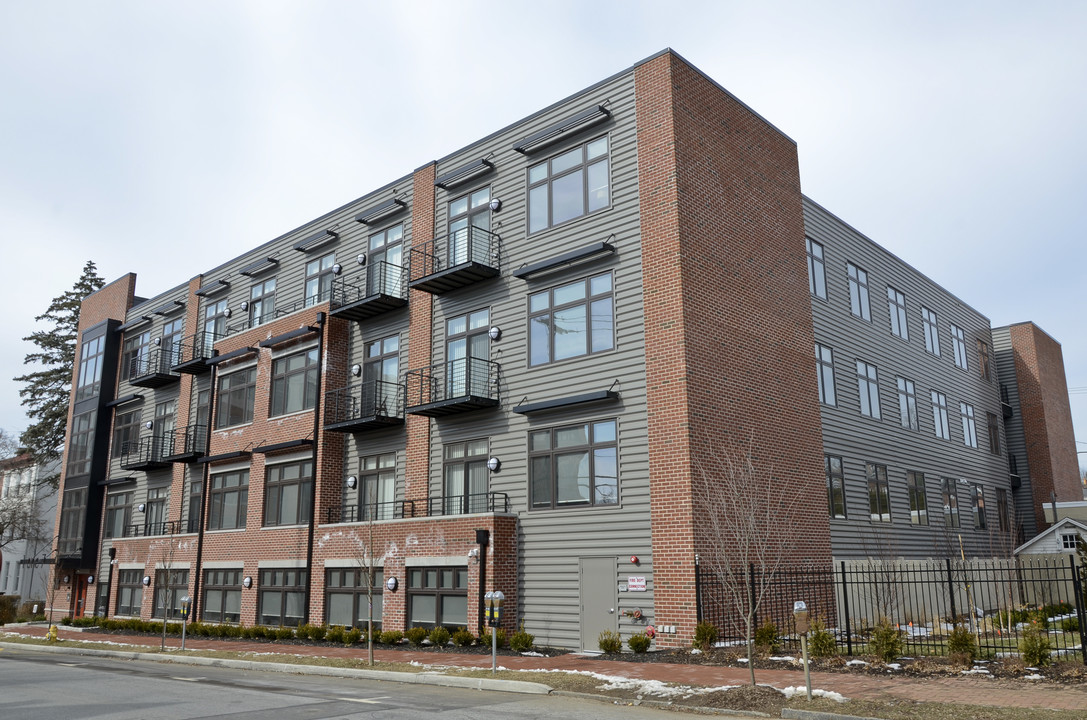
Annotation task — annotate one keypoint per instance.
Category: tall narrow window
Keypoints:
(164, 426)
(228, 500)
(950, 498)
(574, 465)
(377, 487)
(154, 515)
(126, 432)
(90, 368)
(214, 324)
(958, 343)
(824, 367)
(915, 484)
(134, 355)
(977, 505)
(384, 264)
(858, 292)
(969, 429)
(896, 305)
(81, 443)
(879, 495)
(262, 302)
(817, 270)
(171, 343)
(380, 375)
(118, 514)
(932, 335)
(939, 415)
(984, 361)
(907, 403)
(469, 227)
(465, 477)
(835, 486)
(868, 386)
(569, 185)
(170, 587)
(319, 274)
(992, 423)
(72, 516)
(571, 320)
(1002, 516)
(467, 350)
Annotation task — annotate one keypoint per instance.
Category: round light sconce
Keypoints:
(247, 582)
(146, 580)
(495, 333)
(352, 481)
(496, 205)
(356, 370)
(245, 305)
(391, 584)
(158, 341)
(66, 579)
(337, 269)
(361, 259)
(149, 424)
(227, 312)
(141, 507)
(90, 579)
(494, 464)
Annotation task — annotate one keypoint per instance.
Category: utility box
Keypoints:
(800, 617)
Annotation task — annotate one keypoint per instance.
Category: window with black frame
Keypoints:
(288, 493)
(129, 592)
(569, 185)
(170, 587)
(294, 383)
(222, 596)
(237, 395)
(282, 597)
(118, 514)
(228, 500)
(347, 600)
(574, 465)
(572, 320)
(437, 596)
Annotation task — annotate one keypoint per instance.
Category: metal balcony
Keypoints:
(185, 444)
(469, 504)
(153, 368)
(393, 510)
(143, 454)
(366, 406)
(379, 290)
(469, 255)
(193, 353)
(170, 527)
(454, 386)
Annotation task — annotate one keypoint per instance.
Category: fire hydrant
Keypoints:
(51, 636)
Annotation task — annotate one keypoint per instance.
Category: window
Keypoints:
(195, 488)
(214, 324)
(571, 320)
(568, 186)
(377, 487)
(170, 587)
(90, 368)
(835, 486)
(939, 415)
(1002, 517)
(915, 484)
(347, 601)
(879, 496)
(993, 426)
(1069, 541)
(129, 592)
(574, 465)
(984, 366)
(81, 444)
(384, 263)
(262, 302)
(134, 355)
(969, 429)
(958, 343)
(118, 514)
(203, 407)
(154, 515)
(950, 497)
(467, 214)
(165, 422)
(858, 292)
(294, 383)
(72, 516)
(868, 386)
(319, 274)
(977, 505)
(467, 350)
(237, 394)
(380, 373)
(288, 494)
(282, 597)
(126, 432)
(222, 596)
(464, 472)
(896, 305)
(907, 403)
(932, 335)
(228, 500)
(817, 270)
(824, 363)
(171, 342)
(437, 596)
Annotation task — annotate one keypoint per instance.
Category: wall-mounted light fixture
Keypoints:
(66, 579)
(146, 580)
(391, 584)
(473, 554)
(337, 269)
(90, 579)
(634, 560)
(496, 205)
(495, 332)
(149, 424)
(158, 341)
(356, 370)
(227, 313)
(245, 305)
(361, 259)
(142, 507)
(494, 464)
(352, 481)
(247, 582)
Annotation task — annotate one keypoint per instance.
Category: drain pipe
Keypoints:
(316, 438)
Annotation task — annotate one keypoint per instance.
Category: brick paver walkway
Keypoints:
(972, 689)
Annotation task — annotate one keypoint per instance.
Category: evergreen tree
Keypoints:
(46, 391)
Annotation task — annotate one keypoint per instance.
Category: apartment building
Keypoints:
(28, 507)
(512, 369)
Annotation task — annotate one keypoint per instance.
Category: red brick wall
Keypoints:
(420, 318)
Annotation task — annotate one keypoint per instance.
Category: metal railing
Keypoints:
(452, 379)
(392, 510)
(372, 399)
(142, 451)
(198, 346)
(379, 278)
(169, 527)
(189, 440)
(154, 361)
(469, 504)
(467, 245)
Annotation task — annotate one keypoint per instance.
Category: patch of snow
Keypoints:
(816, 692)
(917, 631)
(894, 666)
(975, 671)
(783, 658)
(1034, 676)
(856, 662)
(643, 687)
(530, 653)
(696, 651)
(742, 660)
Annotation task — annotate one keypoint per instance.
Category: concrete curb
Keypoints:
(423, 678)
(792, 714)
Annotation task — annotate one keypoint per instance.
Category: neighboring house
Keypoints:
(24, 563)
(1059, 539)
(512, 367)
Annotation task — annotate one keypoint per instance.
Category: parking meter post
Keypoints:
(800, 616)
(186, 603)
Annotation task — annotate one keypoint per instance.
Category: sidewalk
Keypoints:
(972, 689)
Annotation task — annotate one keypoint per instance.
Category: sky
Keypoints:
(166, 138)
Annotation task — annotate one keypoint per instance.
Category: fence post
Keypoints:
(697, 589)
(951, 591)
(845, 602)
(1081, 611)
(751, 587)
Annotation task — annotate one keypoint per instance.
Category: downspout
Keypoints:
(197, 606)
(316, 438)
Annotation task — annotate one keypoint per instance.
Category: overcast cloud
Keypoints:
(166, 138)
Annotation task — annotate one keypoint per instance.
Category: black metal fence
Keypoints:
(996, 599)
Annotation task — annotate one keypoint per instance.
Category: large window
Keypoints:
(377, 487)
(879, 495)
(817, 269)
(571, 320)
(195, 488)
(72, 515)
(835, 486)
(977, 505)
(165, 423)
(154, 515)
(858, 292)
(222, 596)
(464, 471)
(170, 587)
(237, 395)
(437, 596)
(939, 415)
(214, 324)
(907, 403)
(319, 274)
(984, 361)
(288, 493)
(568, 186)
(958, 343)
(915, 484)
(262, 302)
(868, 387)
(932, 334)
(126, 431)
(134, 355)
(896, 305)
(949, 495)
(969, 428)
(282, 597)
(380, 373)
(467, 348)
(294, 383)
(992, 424)
(129, 592)
(90, 368)
(170, 342)
(347, 601)
(118, 514)
(81, 444)
(228, 500)
(824, 367)
(574, 465)
(467, 214)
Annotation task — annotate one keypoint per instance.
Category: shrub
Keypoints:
(639, 643)
(821, 642)
(1070, 625)
(84, 621)
(961, 645)
(9, 606)
(26, 609)
(66, 620)
(766, 638)
(886, 641)
(705, 635)
(416, 635)
(391, 637)
(352, 636)
(317, 632)
(1034, 645)
(485, 637)
(284, 633)
(439, 636)
(461, 638)
(334, 634)
(610, 642)
(522, 641)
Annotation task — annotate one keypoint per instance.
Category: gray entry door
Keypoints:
(599, 598)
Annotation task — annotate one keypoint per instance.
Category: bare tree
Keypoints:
(748, 516)
(166, 551)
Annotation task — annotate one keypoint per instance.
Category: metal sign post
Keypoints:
(800, 615)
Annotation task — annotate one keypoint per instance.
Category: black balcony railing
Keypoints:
(153, 368)
(379, 289)
(193, 524)
(193, 353)
(368, 405)
(146, 453)
(469, 504)
(452, 387)
(467, 256)
(185, 444)
(392, 510)
(170, 527)
(70, 547)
